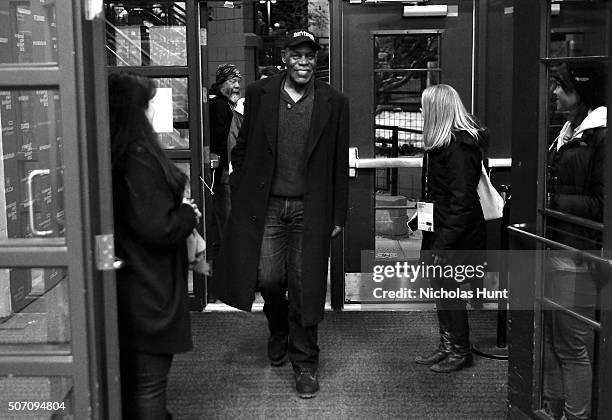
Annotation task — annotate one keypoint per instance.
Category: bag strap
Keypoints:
(426, 187)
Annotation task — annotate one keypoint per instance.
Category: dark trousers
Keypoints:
(143, 385)
(280, 275)
(568, 343)
(452, 320)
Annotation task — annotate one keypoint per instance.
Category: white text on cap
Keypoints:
(303, 33)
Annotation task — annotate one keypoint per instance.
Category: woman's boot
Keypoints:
(459, 333)
(445, 347)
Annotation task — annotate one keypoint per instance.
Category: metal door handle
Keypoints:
(31, 176)
(404, 162)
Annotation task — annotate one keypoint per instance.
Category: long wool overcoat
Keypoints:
(325, 194)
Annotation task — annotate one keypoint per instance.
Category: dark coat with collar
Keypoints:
(151, 228)
(325, 194)
(221, 115)
(576, 187)
(453, 176)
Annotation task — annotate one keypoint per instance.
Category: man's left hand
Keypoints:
(336, 231)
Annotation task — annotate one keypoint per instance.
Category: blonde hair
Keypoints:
(443, 113)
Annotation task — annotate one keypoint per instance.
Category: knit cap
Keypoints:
(226, 72)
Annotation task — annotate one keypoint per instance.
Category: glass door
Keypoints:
(160, 41)
(53, 360)
(387, 62)
(560, 263)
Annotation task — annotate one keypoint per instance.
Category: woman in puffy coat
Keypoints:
(451, 171)
(152, 222)
(575, 185)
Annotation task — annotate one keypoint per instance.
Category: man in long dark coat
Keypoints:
(289, 197)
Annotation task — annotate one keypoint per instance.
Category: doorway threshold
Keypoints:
(350, 307)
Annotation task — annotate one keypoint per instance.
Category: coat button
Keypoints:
(253, 218)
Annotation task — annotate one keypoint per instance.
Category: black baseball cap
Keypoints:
(301, 36)
(587, 79)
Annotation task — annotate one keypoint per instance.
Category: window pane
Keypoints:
(575, 158)
(403, 87)
(146, 34)
(414, 51)
(28, 32)
(32, 168)
(179, 137)
(404, 65)
(578, 28)
(34, 307)
(402, 124)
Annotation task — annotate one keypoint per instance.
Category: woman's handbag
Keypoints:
(492, 203)
(195, 253)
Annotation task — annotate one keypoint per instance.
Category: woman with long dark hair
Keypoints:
(452, 166)
(152, 222)
(575, 185)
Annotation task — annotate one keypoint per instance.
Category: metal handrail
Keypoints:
(407, 162)
(552, 304)
(557, 245)
(398, 162)
(576, 220)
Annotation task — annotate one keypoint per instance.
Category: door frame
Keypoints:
(525, 329)
(337, 78)
(90, 358)
(195, 153)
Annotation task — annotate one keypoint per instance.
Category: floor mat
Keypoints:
(366, 371)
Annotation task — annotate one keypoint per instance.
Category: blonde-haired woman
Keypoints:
(451, 170)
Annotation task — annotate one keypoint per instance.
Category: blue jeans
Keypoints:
(568, 343)
(143, 385)
(280, 274)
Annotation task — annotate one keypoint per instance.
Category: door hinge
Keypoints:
(105, 252)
